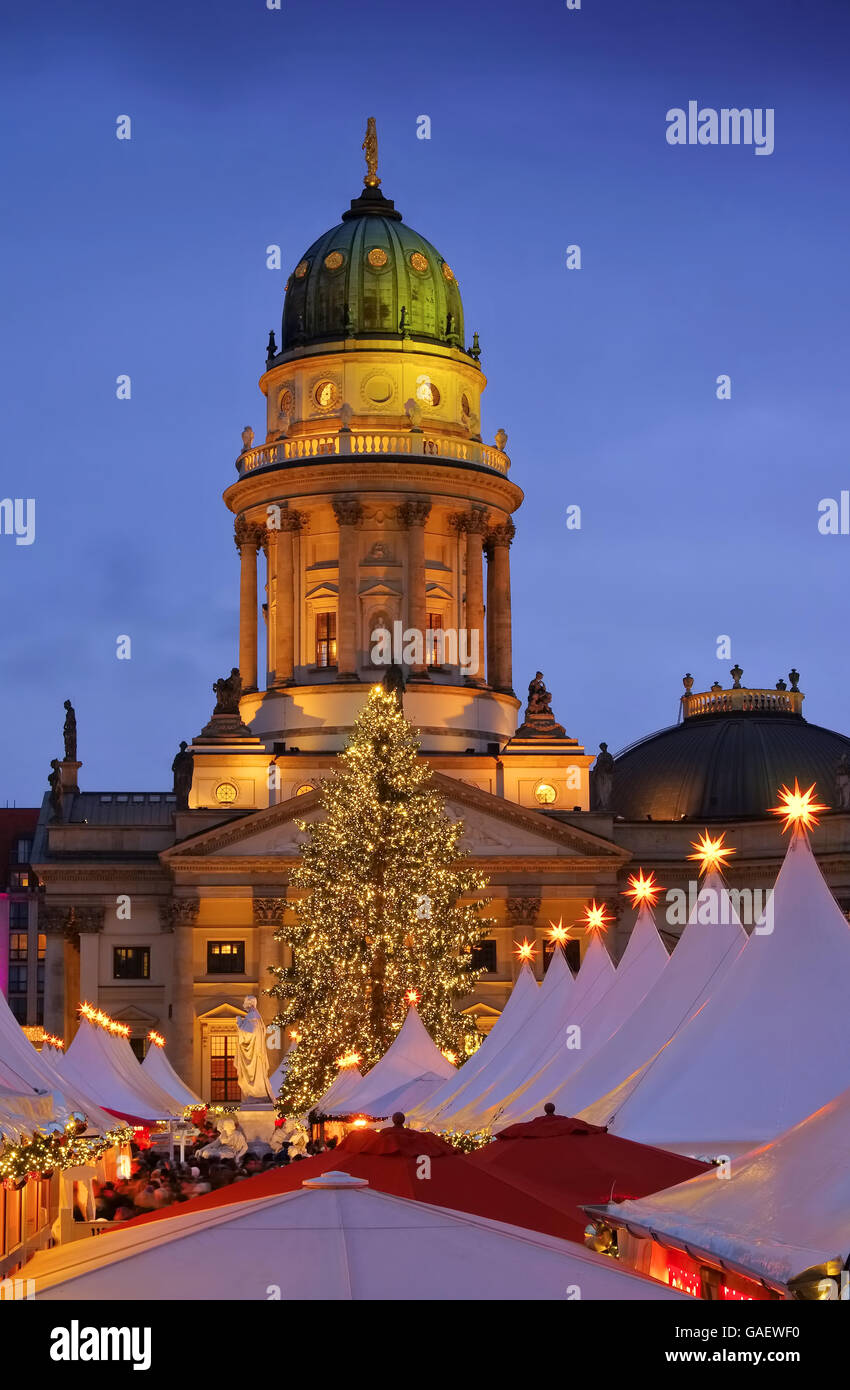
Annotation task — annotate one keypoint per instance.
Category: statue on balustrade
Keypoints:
(539, 721)
(602, 780)
(69, 733)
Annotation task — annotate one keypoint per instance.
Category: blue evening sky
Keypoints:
(147, 257)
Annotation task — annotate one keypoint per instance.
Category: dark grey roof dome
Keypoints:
(728, 758)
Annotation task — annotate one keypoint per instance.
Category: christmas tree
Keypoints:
(379, 924)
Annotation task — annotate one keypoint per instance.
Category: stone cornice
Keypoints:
(384, 474)
(197, 869)
(89, 872)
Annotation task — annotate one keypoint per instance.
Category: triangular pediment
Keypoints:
(323, 590)
(493, 828)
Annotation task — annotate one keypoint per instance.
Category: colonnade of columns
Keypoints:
(481, 538)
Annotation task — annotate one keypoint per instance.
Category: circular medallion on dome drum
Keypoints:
(334, 260)
(464, 405)
(286, 402)
(448, 273)
(326, 394)
(301, 269)
(377, 389)
(426, 391)
(377, 257)
(226, 793)
(419, 262)
(545, 793)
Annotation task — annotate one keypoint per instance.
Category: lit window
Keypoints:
(131, 963)
(225, 957)
(434, 654)
(304, 789)
(326, 639)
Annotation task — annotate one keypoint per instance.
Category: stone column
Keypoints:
(488, 611)
(349, 514)
(282, 598)
(248, 538)
(53, 920)
(522, 915)
(499, 664)
(474, 523)
(87, 924)
(268, 919)
(179, 916)
(413, 516)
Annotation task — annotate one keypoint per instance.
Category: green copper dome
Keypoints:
(370, 277)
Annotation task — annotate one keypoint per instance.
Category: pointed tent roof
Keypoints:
(642, 965)
(26, 1071)
(343, 1085)
(784, 1208)
(514, 1016)
(105, 1064)
(344, 1240)
(544, 1031)
(769, 1046)
(700, 960)
(412, 1056)
(157, 1066)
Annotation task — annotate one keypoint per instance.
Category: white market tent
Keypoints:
(28, 1072)
(568, 1001)
(521, 1004)
(769, 1046)
(342, 1241)
(22, 1115)
(642, 966)
(784, 1208)
(157, 1066)
(413, 1056)
(702, 956)
(343, 1085)
(104, 1063)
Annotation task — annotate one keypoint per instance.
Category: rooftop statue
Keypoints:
(69, 733)
(370, 149)
(539, 721)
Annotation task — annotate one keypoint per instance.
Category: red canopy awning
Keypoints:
(391, 1161)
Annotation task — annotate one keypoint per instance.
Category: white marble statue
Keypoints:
(252, 1063)
(231, 1142)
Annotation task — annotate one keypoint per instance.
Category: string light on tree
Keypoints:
(360, 941)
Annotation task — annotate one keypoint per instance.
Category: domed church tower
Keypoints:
(384, 521)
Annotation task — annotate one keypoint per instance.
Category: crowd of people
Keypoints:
(156, 1181)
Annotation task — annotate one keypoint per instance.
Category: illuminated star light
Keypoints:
(711, 853)
(643, 889)
(412, 996)
(156, 1038)
(798, 808)
(349, 1059)
(525, 951)
(558, 932)
(596, 917)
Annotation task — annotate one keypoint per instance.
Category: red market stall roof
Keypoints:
(562, 1161)
(393, 1160)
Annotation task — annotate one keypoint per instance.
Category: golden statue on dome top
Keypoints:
(370, 149)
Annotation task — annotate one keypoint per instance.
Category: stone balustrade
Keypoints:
(364, 443)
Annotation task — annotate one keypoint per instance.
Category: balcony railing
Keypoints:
(742, 701)
(417, 443)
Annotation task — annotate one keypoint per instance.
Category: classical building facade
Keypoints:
(373, 526)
